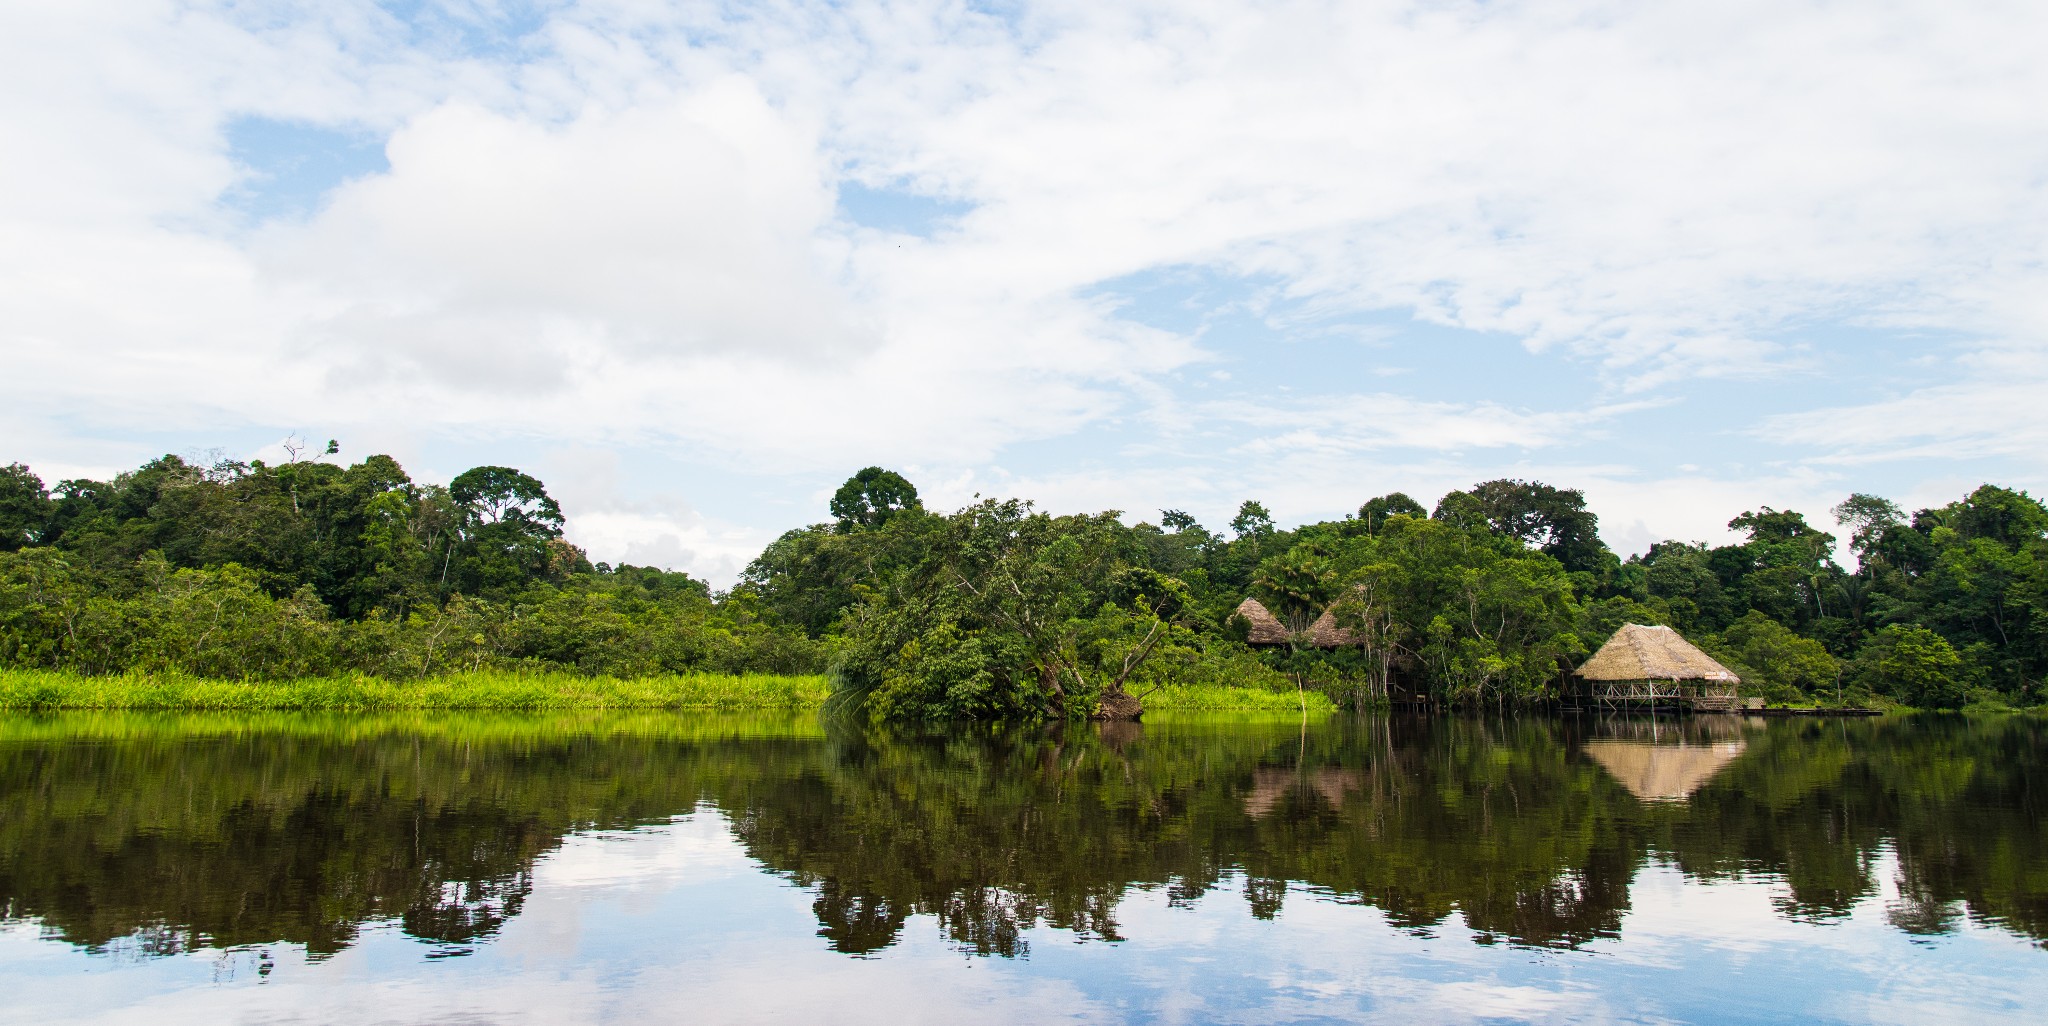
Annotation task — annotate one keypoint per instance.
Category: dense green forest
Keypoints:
(237, 570)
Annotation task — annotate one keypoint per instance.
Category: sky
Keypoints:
(693, 264)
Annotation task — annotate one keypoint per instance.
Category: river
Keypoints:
(170, 869)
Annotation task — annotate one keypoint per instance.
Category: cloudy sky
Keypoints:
(692, 264)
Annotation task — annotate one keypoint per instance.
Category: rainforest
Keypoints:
(309, 577)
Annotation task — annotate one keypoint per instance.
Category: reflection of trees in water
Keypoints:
(310, 870)
(1420, 819)
(1820, 802)
(155, 841)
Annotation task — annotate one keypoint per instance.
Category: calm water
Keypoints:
(658, 869)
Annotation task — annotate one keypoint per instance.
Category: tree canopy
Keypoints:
(216, 567)
(870, 497)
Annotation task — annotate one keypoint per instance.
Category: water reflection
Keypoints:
(166, 834)
(1667, 760)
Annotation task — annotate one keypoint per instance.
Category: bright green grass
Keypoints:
(473, 726)
(491, 690)
(35, 689)
(1223, 698)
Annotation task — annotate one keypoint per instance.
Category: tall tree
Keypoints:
(1252, 521)
(24, 507)
(1376, 511)
(1554, 520)
(508, 524)
(870, 497)
(1867, 517)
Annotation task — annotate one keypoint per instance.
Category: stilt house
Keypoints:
(1650, 666)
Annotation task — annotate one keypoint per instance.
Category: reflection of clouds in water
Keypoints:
(1486, 1001)
(644, 857)
(563, 1001)
(1730, 942)
(675, 923)
(1673, 918)
(1334, 959)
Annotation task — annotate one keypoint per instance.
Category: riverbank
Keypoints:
(33, 689)
(23, 690)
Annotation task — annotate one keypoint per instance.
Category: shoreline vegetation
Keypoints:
(488, 691)
(208, 582)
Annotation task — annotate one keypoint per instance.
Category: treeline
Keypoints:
(307, 568)
(1490, 596)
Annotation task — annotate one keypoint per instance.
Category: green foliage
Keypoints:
(1297, 584)
(811, 576)
(509, 532)
(1555, 521)
(1471, 617)
(1775, 663)
(1917, 667)
(496, 495)
(309, 567)
(486, 689)
(1461, 510)
(1252, 520)
(1683, 581)
(871, 498)
(1867, 517)
(24, 507)
(1009, 613)
(1375, 512)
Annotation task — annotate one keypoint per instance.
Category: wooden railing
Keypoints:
(1704, 696)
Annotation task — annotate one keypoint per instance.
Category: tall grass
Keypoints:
(1227, 698)
(40, 689)
(467, 726)
(523, 692)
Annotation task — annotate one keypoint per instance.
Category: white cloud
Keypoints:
(1993, 407)
(497, 248)
(1664, 187)
(621, 231)
(1385, 421)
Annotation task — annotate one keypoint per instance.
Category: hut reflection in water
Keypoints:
(1662, 761)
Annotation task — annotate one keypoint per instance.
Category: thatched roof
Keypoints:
(1637, 652)
(1325, 633)
(1655, 772)
(1266, 629)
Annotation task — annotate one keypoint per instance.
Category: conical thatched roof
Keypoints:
(1266, 629)
(1637, 652)
(1325, 633)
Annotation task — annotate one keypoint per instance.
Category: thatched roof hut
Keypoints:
(1325, 633)
(1637, 652)
(1266, 629)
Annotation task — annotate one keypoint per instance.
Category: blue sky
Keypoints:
(694, 265)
